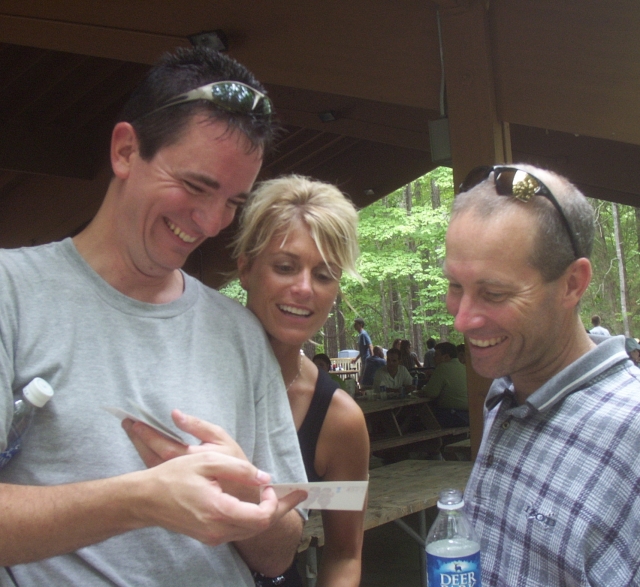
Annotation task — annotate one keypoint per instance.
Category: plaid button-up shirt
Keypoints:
(555, 491)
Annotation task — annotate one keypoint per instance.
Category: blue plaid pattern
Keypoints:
(555, 491)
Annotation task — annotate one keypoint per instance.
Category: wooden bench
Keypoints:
(413, 437)
(395, 491)
(458, 451)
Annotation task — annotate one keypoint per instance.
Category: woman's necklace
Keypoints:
(299, 370)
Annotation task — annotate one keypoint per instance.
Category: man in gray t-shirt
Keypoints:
(109, 316)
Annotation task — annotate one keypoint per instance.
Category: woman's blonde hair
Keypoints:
(277, 203)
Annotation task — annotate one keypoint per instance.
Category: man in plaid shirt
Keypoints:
(555, 491)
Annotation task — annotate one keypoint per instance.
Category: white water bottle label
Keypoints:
(443, 571)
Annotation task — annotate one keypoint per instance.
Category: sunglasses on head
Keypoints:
(522, 185)
(229, 95)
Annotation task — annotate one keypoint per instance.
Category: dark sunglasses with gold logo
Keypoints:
(522, 185)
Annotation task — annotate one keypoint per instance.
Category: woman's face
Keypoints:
(289, 287)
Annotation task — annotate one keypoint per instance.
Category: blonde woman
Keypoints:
(296, 238)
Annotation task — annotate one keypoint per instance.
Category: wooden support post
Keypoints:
(478, 136)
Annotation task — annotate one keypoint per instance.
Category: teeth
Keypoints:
(296, 311)
(179, 233)
(486, 343)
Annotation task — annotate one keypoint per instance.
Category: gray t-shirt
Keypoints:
(60, 321)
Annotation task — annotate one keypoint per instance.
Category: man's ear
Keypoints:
(124, 144)
(576, 278)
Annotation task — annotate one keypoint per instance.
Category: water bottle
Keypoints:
(35, 395)
(453, 549)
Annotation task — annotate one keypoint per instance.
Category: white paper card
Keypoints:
(146, 418)
(328, 495)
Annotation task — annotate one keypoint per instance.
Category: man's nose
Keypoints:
(214, 216)
(467, 313)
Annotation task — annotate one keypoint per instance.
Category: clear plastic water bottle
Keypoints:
(453, 549)
(35, 395)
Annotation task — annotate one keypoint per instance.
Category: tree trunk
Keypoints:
(637, 211)
(384, 314)
(398, 311)
(623, 281)
(331, 334)
(435, 194)
(342, 333)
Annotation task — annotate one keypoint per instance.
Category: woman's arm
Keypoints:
(342, 454)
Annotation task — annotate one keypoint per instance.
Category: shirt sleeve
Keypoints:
(435, 385)
(406, 378)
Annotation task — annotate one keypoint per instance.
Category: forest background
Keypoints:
(402, 293)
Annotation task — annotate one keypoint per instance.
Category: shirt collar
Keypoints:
(608, 352)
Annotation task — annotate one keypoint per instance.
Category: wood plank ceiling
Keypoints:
(567, 77)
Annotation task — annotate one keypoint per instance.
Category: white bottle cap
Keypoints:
(38, 392)
(450, 499)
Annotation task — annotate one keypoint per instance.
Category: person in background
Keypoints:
(430, 354)
(633, 349)
(407, 357)
(296, 238)
(365, 348)
(393, 375)
(323, 362)
(553, 492)
(396, 343)
(125, 322)
(448, 387)
(374, 363)
(597, 329)
(462, 353)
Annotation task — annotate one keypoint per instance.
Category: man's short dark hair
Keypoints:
(176, 73)
(322, 357)
(359, 321)
(431, 343)
(447, 348)
(595, 320)
(395, 352)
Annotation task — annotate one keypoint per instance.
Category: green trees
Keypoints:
(402, 250)
(615, 287)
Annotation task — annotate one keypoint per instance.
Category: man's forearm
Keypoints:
(271, 552)
(182, 495)
(40, 522)
(433, 388)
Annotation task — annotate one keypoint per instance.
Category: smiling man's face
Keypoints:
(500, 302)
(187, 193)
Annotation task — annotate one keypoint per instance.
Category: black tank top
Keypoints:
(310, 428)
(308, 439)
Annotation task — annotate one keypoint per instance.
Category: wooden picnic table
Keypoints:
(344, 373)
(388, 422)
(395, 491)
(381, 405)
